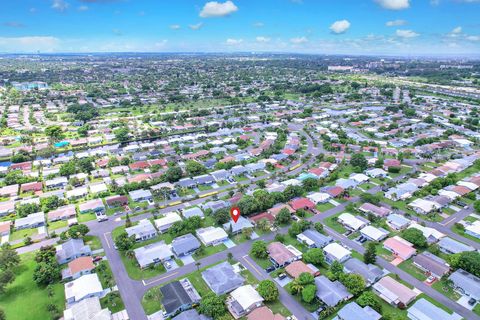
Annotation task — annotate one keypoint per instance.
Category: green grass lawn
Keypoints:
(84, 217)
(477, 309)
(204, 187)
(21, 234)
(208, 251)
(410, 268)
(461, 232)
(446, 290)
(136, 273)
(113, 302)
(57, 224)
(332, 223)
(93, 242)
(105, 274)
(24, 300)
(322, 207)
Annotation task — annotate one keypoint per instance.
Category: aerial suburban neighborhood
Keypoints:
(253, 186)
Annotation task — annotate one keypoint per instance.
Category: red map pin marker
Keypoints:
(235, 213)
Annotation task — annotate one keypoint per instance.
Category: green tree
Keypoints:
(358, 160)
(336, 270)
(283, 216)
(9, 258)
(78, 231)
(195, 168)
(6, 277)
(122, 134)
(370, 255)
(259, 249)
(124, 242)
(212, 305)
(46, 273)
(68, 169)
(368, 298)
(468, 261)
(314, 256)
(309, 292)
(24, 210)
(173, 174)
(353, 282)
(54, 132)
(415, 236)
(268, 290)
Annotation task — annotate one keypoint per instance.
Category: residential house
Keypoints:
(144, 230)
(319, 197)
(87, 309)
(466, 283)
(178, 296)
(185, 245)
(353, 311)
(243, 300)
(335, 252)
(401, 248)
(238, 226)
(369, 272)
(302, 203)
(281, 255)
(87, 286)
(393, 292)
(397, 221)
(211, 236)
(33, 220)
(62, 213)
(351, 222)
(431, 264)
(116, 201)
(423, 206)
(373, 233)
(263, 313)
(451, 246)
(164, 223)
(7, 207)
(141, 195)
(377, 211)
(78, 267)
(331, 293)
(314, 239)
(154, 253)
(423, 309)
(296, 268)
(222, 278)
(72, 249)
(95, 205)
(192, 212)
(431, 234)
(473, 229)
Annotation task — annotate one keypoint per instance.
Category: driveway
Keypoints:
(229, 243)
(187, 259)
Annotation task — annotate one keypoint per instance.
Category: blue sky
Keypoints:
(406, 27)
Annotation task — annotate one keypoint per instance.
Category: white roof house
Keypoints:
(470, 185)
(449, 194)
(431, 234)
(98, 188)
(319, 197)
(153, 253)
(373, 233)
(166, 222)
(335, 251)
(87, 309)
(351, 222)
(84, 287)
(423, 206)
(244, 299)
(211, 235)
(473, 229)
(77, 192)
(359, 177)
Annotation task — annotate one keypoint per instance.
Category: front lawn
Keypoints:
(113, 302)
(208, 251)
(24, 300)
(446, 290)
(410, 268)
(322, 207)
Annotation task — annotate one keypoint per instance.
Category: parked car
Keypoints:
(472, 301)
(168, 265)
(282, 276)
(270, 269)
(97, 258)
(431, 279)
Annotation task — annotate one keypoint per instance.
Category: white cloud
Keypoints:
(473, 38)
(262, 39)
(406, 33)
(340, 26)
(258, 24)
(456, 30)
(29, 44)
(82, 8)
(233, 42)
(60, 5)
(196, 26)
(299, 40)
(394, 4)
(175, 26)
(218, 9)
(396, 23)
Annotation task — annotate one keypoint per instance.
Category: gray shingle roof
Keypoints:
(185, 244)
(222, 278)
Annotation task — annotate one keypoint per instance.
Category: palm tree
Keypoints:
(198, 265)
(130, 254)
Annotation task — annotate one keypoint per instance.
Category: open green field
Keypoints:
(24, 300)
